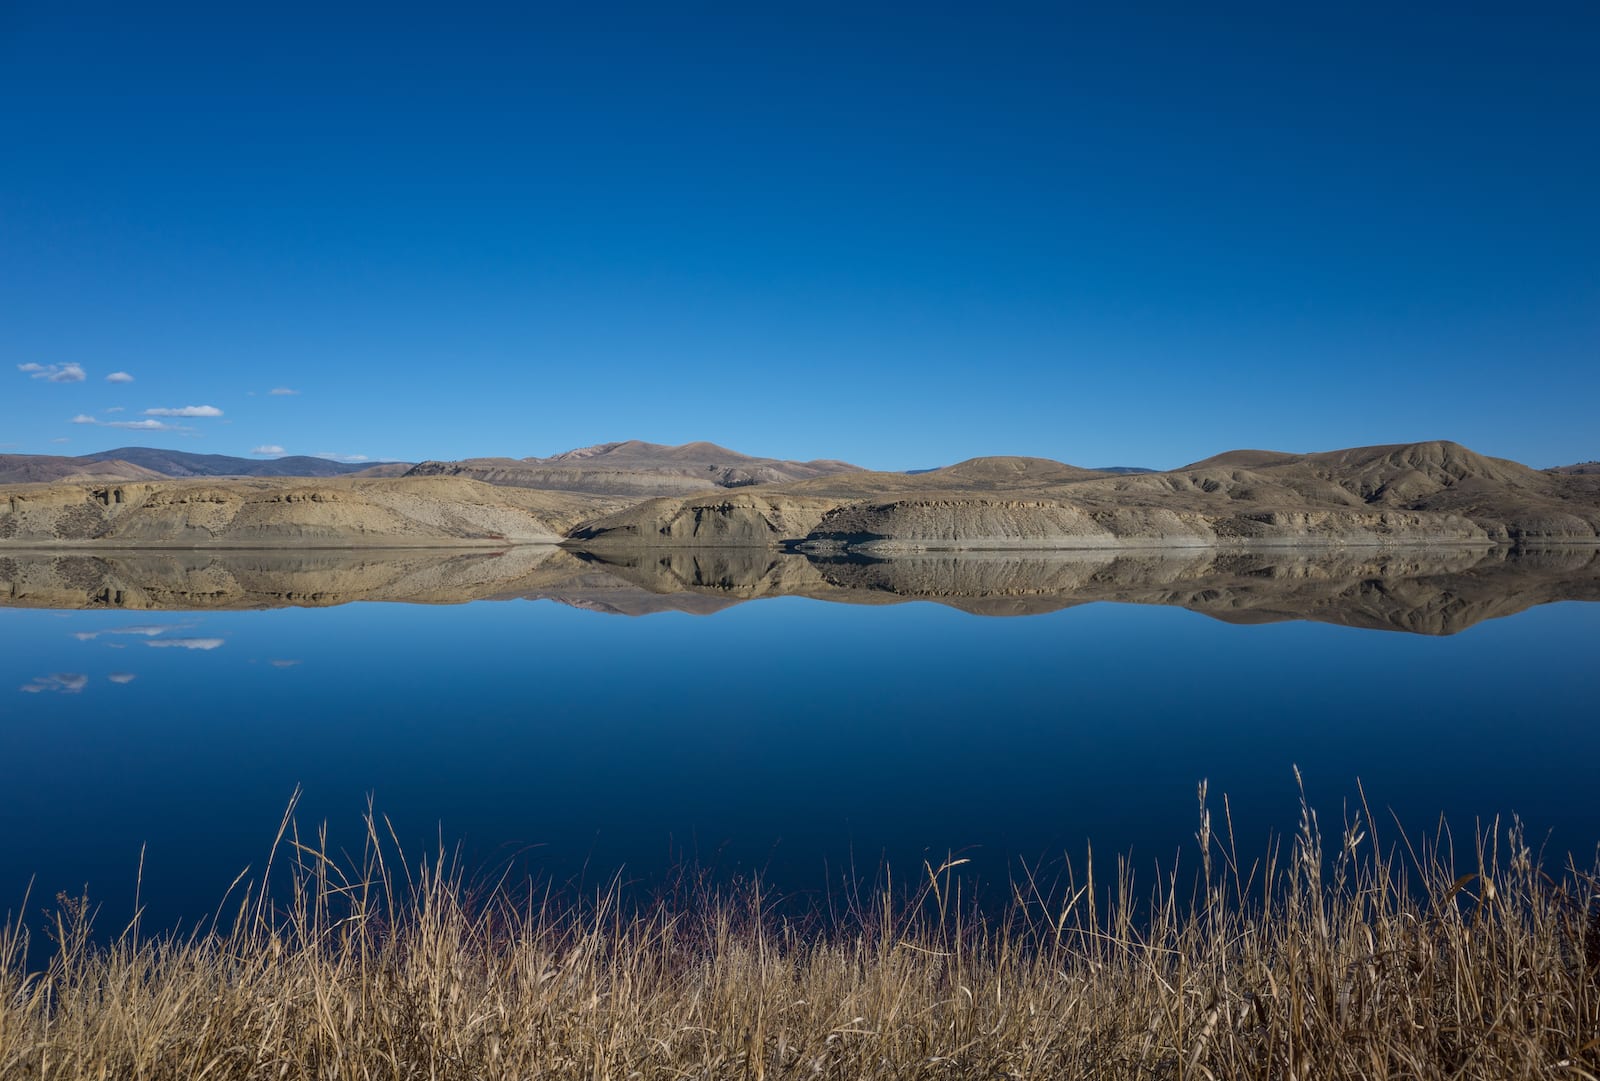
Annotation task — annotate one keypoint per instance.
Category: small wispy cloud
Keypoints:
(185, 643)
(119, 377)
(283, 662)
(282, 392)
(54, 373)
(122, 677)
(185, 411)
(348, 459)
(134, 425)
(117, 409)
(60, 439)
(58, 683)
(269, 450)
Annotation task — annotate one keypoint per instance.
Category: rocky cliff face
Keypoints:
(338, 512)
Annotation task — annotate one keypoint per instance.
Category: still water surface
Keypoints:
(790, 736)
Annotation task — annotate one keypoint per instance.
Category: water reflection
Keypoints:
(1437, 592)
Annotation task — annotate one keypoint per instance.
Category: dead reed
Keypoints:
(1367, 961)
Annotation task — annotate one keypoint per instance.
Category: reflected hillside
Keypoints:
(1435, 592)
(165, 580)
(1423, 592)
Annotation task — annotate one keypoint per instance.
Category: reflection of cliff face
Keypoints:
(233, 580)
(1424, 592)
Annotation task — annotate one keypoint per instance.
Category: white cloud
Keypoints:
(117, 409)
(59, 682)
(186, 411)
(60, 439)
(282, 392)
(54, 373)
(270, 450)
(283, 663)
(134, 425)
(186, 643)
(119, 377)
(348, 459)
(122, 677)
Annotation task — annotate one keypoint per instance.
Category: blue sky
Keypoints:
(899, 235)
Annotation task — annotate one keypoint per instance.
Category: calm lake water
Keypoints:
(789, 735)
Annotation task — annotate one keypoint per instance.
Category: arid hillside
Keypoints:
(607, 497)
(1423, 493)
(634, 468)
(258, 512)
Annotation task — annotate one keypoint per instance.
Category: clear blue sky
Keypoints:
(900, 235)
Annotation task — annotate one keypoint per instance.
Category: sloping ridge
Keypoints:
(1436, 492)
(178, 463)
(48, 468)
(634, 468)
(1011, 469)
(1410, 471)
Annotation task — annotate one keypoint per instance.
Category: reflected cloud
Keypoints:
(58, 683)
(276, 663)
(185, 411)
(122, 677)
(185, 643)
(148, 630)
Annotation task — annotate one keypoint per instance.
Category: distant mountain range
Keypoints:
(148, 463)
(632, 467)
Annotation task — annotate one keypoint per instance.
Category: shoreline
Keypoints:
(1351, 956)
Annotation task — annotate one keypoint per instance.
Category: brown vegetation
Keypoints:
(1379, 959)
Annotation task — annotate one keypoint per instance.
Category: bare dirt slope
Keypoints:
(45, 468)
(635, 469)
(331, 512)
(1423, 493)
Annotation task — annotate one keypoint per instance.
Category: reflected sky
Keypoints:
(792, 736)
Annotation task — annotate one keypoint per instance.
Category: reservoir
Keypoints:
(588, 720)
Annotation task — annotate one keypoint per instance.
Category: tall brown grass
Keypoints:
(1368, 960)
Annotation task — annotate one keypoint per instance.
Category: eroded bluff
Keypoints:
(339, 512)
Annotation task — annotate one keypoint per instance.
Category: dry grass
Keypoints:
(1364, 962)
